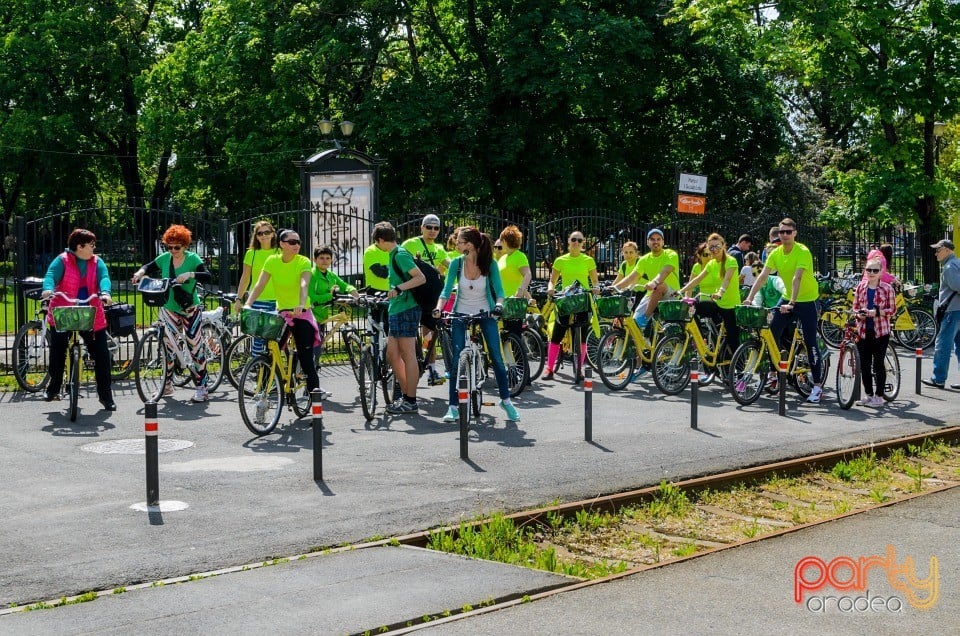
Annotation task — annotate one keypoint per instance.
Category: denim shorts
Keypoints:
(406, 324)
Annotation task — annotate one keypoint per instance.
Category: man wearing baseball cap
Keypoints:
(947, 313)
(428, 249)
(659, 268)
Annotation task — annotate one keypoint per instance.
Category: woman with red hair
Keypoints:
(182, 313)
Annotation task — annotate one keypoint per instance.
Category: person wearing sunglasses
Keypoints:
(427, 248)
(263, 244)
(722, 268)
(874, 304)
(79, 273)
(182, 312)
(709, 283)
(794, 262)
(572, 267)
(289, 272)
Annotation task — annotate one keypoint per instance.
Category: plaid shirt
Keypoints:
(884, 299)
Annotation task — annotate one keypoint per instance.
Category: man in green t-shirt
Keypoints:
(404, 317)
(794, 263)
(659, 268)
(428, 249)
(375, 262)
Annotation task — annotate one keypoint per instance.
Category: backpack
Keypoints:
(427, 294)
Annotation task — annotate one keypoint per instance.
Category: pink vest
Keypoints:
(70, 285)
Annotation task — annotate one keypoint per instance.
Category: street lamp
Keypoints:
(326, 128)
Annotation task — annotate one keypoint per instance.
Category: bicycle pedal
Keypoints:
(489, 403)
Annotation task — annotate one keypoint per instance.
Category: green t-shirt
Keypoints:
(649, 266)
(255, 259)
(404, 262)
(786, 266)
(191, 261)
(286, 278)
(624, 271)
(575, 269)
(374, 256)
(433, 254)
(710, 283)
(321, 291)
(731, 296)
(510, 275)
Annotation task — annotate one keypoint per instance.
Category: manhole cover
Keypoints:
(134, 446)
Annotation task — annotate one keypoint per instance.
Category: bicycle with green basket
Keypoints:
(624, 346)
(671, 357)
(272, 379)
(73, 319)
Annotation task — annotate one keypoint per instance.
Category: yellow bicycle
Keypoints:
(624, 346)
(269, 380)
(671, 357)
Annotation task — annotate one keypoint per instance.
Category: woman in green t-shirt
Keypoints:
(574, 266)
(289, 272)
(263, 244)
(726, 297)
(182, 312)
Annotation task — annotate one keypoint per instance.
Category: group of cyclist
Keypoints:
(480, 274)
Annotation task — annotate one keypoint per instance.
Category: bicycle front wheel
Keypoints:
(670, 369)
(300, 394)
(749, 368)
(616, 356)
(367, 380)
(215, 353)
(891, 388)
(924, 333)
(123, 354)
(261, 399)
(515, 363)
(31, 356)
(535, 350)
(150, 371)
(238, 355)
(848, 375)
(73, 390)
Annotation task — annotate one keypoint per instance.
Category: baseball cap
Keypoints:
(431, 219)
(655, 230)
(947, 243)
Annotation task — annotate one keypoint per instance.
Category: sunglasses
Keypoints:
(432, 227)
(787, 232)
(264, 232)
(292, 241)
(498, 247)
(714, 248)
(573, 239)
(174, 248)
(873, 270)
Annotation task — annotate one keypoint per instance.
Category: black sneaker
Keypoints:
(109, 405)
(51, 398)
(434, 378)
(401, 407)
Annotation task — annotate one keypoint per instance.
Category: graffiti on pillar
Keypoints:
(340, 218)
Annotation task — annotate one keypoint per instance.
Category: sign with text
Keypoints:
(695, 183)
(336, 202)
(691, 204)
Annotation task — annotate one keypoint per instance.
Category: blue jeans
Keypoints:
(945, 343)
(491, 335)
(806, 314)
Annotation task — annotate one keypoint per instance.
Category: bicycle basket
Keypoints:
(74, 318)
(121, 319)
(751, 317)
(262, 324)
(514, 308)
(674, 311)
(154, 291)
(613, 306)
(573, 304)
(910, 291)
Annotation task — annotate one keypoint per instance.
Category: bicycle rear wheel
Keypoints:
(261, 398)
(922, 335)
(367, 381)
(749, 368)
(616, 357)
(515, 363)
(801, 373)
(670, 369)
(31, 356)
(238, 355)
(891, 388)
(848, 375)
(300, 394)
(123, 354)
(73, 386)
(536, 351)
(215, 353)
(150, 371)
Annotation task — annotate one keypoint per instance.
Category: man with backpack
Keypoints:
(404, 317)
(426, 249)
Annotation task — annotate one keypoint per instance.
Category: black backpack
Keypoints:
(427, 294)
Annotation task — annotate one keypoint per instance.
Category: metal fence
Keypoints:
(129, 236)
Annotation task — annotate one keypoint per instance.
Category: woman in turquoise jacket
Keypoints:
(479, 288)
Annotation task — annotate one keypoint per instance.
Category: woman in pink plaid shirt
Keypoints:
(874, 303)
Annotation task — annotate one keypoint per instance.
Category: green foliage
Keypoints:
(842, 470)
(669, 501)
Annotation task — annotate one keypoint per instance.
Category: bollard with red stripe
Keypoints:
(694, 388)
(782, 381)
(316, 407)
(919, 369)
(463, 398)
(588, 404)
(151, 430)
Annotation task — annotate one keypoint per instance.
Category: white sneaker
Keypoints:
(878, 401)
(453, 415)
(201, 394)
(867, 401)
(815, 395)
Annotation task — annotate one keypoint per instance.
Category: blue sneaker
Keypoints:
(639, 373)
(641, 321)
(453, 415)
(512, 414)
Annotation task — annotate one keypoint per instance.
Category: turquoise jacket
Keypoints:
(494, 286)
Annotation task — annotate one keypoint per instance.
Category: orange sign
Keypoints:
(691, 204)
